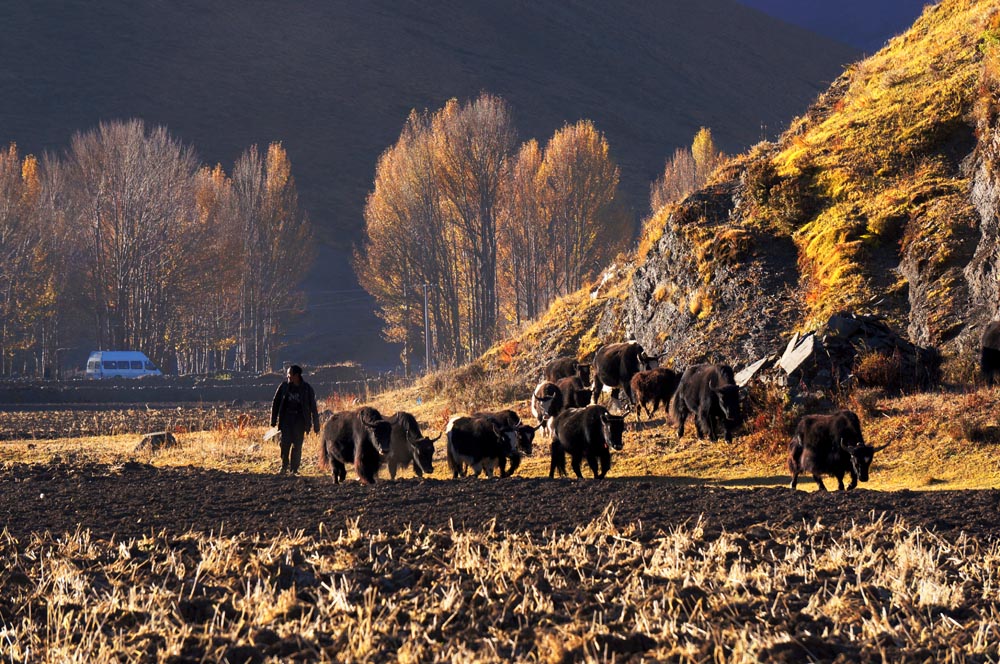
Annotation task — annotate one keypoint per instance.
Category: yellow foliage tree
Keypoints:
(578, 183)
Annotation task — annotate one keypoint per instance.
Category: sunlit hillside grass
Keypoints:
(873, 168)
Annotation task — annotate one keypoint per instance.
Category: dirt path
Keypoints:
(130, 500)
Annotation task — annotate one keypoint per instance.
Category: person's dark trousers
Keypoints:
(292, 435)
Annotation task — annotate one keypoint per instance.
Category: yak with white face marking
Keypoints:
(478, 443)
(359, 437)
(830, 445)
(585, 433)
(525, 433)
(409, 446)
(546, 403)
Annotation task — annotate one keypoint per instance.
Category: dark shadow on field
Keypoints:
(132, 500)
(768, 480)
(687, 480)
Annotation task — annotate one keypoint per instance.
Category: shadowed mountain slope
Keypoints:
(861, 23)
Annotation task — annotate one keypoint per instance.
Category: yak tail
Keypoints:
(795, 455)
(324, 457)
(674, 414)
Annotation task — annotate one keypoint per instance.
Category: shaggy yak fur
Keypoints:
(830, 445)
(359, 437)
(709, 392)
(409, 446)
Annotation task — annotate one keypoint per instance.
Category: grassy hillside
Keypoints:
(877, 200)
(872, 201)
(865, 203)
(335, 81)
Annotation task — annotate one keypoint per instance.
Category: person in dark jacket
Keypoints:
(293, 410)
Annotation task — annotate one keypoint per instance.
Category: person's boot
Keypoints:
(284, 469)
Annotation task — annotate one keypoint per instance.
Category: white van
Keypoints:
(124, 363)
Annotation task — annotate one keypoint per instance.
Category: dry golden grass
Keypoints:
(242, 451)
(877, 590)
(870, 162)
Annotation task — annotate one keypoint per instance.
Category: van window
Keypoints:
(108, 364)
(136, 365)
(93, 365)
(150, 366)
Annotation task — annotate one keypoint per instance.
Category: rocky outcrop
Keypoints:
(856, 349)
(983, 271)
(712, 288)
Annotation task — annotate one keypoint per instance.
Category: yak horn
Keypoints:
(433, 440)
(880, 448)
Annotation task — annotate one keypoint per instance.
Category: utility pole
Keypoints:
(427, 335)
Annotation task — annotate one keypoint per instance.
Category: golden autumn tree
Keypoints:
(205, 327)
(391, 267)
(275, 254)
(20, 247)
(432, 219)
(525, 266)
(578, 183)
(134, 191)
(61, 269)
(473, 142)
(490, 230)
(409, 242)
(686, 171)
(41, 281)
(705, 154)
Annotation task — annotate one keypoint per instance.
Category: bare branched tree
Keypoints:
(135, 192)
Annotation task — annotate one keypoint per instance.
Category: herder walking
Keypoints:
(293, 408)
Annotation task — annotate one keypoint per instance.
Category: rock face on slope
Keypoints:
(983, 272)
(712, 288)
(852, 349)
(717, 287)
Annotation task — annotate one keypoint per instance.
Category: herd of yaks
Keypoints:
(565, 403)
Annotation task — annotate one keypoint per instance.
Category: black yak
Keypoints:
(479, 443)
(830, 445)
(585, 433)
(359, 437)
(709, 392)
(615, 364)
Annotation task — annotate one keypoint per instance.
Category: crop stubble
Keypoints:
(158, 564)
